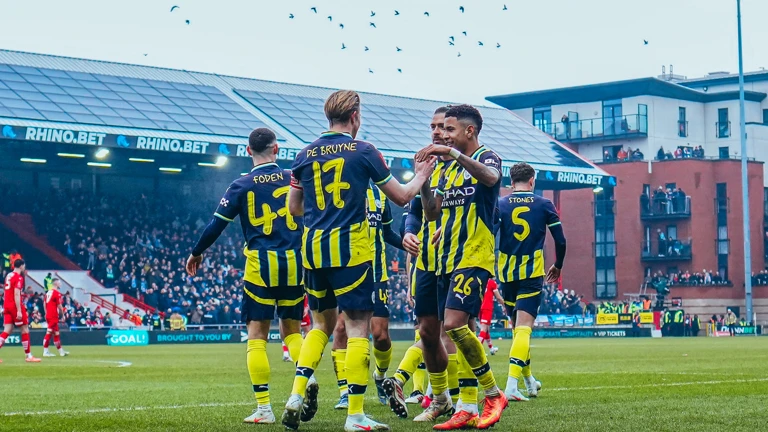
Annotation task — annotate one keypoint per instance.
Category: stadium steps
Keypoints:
(34, 248)
(106, 298)
(35, 259)
(705, 308)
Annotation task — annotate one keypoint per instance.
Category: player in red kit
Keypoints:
(54, 310)
(486, 313)
(14, 312)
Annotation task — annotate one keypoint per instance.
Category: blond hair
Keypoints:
(340, 106)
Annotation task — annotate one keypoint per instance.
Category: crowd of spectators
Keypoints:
(686, 278)
(761, 278)
(563, 302)
(665, 201)
(75, 314)
(681, 152)
(615, 154)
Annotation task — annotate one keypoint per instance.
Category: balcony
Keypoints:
(682, 128)
(667, 250)
(665, 208)
(723, 129)
(599, 129)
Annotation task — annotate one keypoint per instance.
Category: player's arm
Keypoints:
(400, 194)
(498, 296)
(487, 171)
(296, 198)
(556, 231)
(390, 236)
(17, 299)
(429, 202)
(225, 213)
(412, 226)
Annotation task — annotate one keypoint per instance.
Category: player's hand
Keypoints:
(411, 244)
(409, 299)
(193, 263)
(432, 150)
(425, 168)
(18, 316)
(436, 236)
(553, 274)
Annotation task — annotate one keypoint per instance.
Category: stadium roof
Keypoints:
(60, 99)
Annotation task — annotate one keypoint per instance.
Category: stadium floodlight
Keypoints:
(101, 153)
(141, 160)
(170, 170)
(597, 189)
(408, 175)
(71, 155)
(34, 160)
(221, 161)
(207, 164)
(99, 164)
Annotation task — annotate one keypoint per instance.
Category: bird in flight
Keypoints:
(370, 70)
(461, 9)
(145, 55)
(173, 8)
(398, 49)
(330, 18)
(459, 55)
(372, 24)
(373, 14)
(314, 9)
(397, 12)
(399, 70)
(343, 46)
(451, 43)
(464, 33)
(341, 26)
(426, 13)
(498, 45)
(367, 49)
(645, 42)
(505, 7)
(480, 43)
(187, 21)
(291, 16)
(451, 38)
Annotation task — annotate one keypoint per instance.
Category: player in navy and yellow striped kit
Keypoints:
(330, 180)
(522, 227)
(466, 199)
(273, 259)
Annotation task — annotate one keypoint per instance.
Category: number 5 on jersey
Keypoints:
(517, 220)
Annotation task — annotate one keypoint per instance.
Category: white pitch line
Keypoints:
(677, 384)
(119, 363)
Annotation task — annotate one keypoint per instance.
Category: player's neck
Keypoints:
(259, 161)
(471, 148)
(345, 128)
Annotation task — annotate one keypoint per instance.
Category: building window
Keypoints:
(723, 152)
(672, 232)
(612, 116)
(542, 119)
(605, 283)
(723, 125)
(682, 123)
(765, 116)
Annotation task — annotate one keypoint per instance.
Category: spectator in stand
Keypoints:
(622, 155)
(730, 321)
(660, 201)
(661, 155)
(636, 155)
(678, 154)
(645, 203)
(662, 239)
(607, 156)
(687, 152)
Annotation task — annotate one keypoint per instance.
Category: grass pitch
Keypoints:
(588, 385)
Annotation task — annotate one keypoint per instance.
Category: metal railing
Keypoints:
(601, 128)
(666, 250)
(682, 128)
(723, 129)
(663, 207)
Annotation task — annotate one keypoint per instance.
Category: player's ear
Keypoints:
(275, 148)
(248, 150)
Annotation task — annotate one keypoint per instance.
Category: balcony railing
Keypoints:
(682, 128)
(665, 208)
(597, 129)
(605, 290)
(604, 208)
(666, 250)
(723, 129)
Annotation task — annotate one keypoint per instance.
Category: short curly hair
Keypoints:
(466, 113)
(521, 172)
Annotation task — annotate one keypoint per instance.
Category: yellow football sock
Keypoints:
(293, 342)
(420, 378)
(357, 362)
(473, 351)
(453, 377)
(417, 337)
(518, 354)
(258, 369)
(339, 356)
(439, 381)
(409, 364)
(383, 359)
(527, 368)
(467, 382)
(311, 353)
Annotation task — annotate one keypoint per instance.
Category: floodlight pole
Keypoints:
(744, 178)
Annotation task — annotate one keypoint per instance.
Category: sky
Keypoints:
(544, 43)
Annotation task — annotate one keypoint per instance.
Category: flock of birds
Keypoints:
(451, 39)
